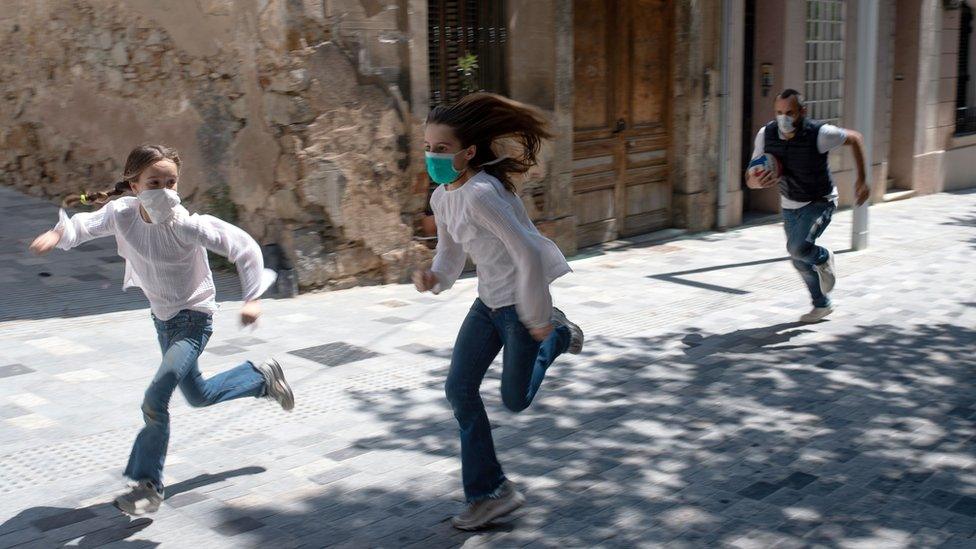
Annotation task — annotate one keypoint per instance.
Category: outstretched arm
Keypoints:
(76, 230)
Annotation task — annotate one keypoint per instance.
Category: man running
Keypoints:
(807, 191)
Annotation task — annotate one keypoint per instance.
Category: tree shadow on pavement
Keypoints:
(969, 221)
(866, 438)
(94, 525)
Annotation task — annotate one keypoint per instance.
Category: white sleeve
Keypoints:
(82, 227)
(760, 145)
(449, 259)
(533, 300)
(236, 245)
(830, 137)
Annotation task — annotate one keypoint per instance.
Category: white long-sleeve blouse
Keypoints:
(515, 262)
(168, 261)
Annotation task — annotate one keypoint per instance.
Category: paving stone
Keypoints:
(759, 490)
(184, 499)
(965, 505)
(238, 526)
(335, 354)
(11, 370)
(63, 519)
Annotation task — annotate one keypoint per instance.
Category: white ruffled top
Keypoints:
(168, 260)
(515, 262)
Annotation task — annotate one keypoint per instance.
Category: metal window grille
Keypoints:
(824, 82)
(459, 27)
(965, 104)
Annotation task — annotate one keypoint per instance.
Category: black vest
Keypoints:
(806, 172)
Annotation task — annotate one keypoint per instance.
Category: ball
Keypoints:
(766, 163)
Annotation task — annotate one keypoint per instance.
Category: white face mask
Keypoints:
(159, 203)
(785, 123)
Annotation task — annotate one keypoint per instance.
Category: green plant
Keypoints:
(468, 67)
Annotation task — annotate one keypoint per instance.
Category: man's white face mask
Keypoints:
(785, 123)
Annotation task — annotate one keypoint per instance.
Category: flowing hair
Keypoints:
(482, 118)
(139, 159)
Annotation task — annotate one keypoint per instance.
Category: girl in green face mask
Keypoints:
(479, 214)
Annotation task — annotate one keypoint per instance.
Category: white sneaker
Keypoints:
(276, 386)
(480, 513)
(827, 275)
(817, 314)
(575, 332)
(142, 499)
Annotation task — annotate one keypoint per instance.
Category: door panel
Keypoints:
(591, 64)
(650, 52)
(622, 58)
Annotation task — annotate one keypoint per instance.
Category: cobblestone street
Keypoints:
(699, 414)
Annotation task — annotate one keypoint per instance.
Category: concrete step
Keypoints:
(898, 194)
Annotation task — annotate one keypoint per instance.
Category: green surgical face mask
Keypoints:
(440, 167)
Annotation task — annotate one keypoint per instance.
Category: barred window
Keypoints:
(824, 82)
(457, 28)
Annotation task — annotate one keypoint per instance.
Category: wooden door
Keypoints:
(622, 54)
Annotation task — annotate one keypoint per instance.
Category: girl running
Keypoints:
(478, 213)
(165, 252)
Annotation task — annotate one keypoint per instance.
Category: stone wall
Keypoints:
(286, 123)
(696, 82)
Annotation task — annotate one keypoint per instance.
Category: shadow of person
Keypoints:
(699, 345)
(95, 525)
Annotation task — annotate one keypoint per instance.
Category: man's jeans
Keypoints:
(483, 334)
(803, 226)
(182, 339)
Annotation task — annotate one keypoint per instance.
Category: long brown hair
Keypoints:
(139, 159)
(481, 118)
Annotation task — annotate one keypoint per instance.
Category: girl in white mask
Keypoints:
(165, 252)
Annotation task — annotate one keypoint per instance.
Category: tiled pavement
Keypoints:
(700, 413)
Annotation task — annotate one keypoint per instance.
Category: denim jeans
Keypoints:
(483, 334)
(803, 226)
(182, 340)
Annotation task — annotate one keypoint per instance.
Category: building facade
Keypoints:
(302, 119)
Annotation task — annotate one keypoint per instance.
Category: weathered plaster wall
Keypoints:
(288, 115)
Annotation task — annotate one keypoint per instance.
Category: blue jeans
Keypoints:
(182, 340)
(803, 226)
(483, 334)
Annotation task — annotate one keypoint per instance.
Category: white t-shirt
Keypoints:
(829, 138)
(515, 262)
(168, 260)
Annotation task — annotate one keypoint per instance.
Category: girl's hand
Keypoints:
(250, 313)
(424, 281)
(540, 334)
(45, 242)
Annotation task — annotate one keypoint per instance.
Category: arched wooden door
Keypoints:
(622, 68)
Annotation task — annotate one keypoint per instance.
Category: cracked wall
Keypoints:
(287, 114)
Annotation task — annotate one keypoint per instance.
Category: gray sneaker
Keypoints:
(479, 514)
(827, 275)
(817, 314)
(142, 499)
(276, 386)
(575, 332)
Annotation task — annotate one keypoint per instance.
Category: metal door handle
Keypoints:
(620, 126)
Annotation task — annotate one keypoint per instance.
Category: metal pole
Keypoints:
(867, 50)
